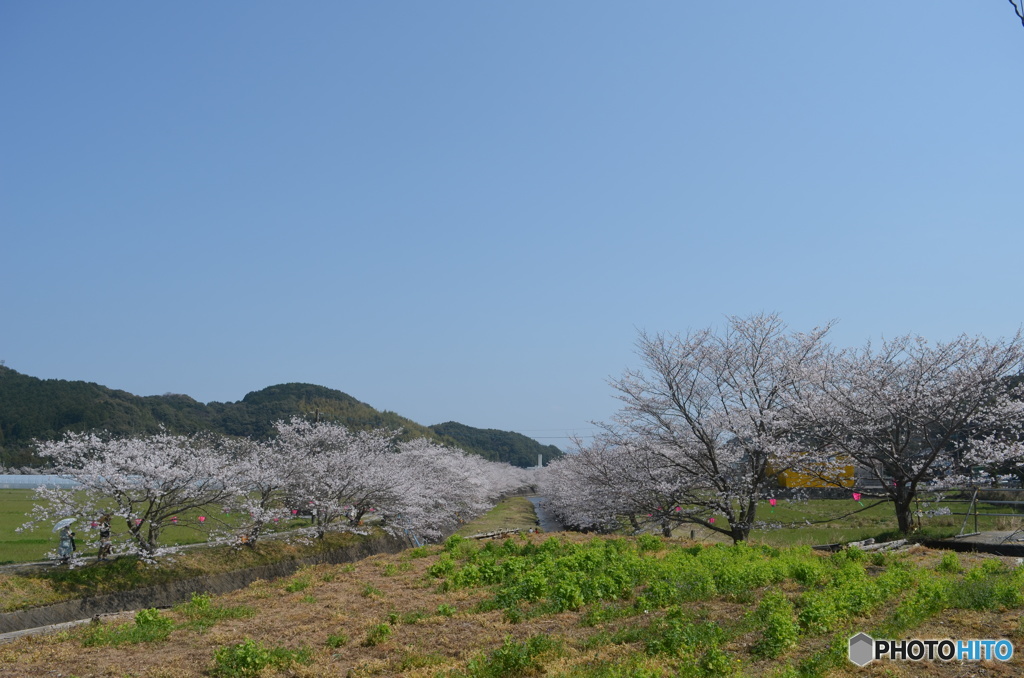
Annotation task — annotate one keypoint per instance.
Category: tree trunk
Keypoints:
(739, 530)
(739, 533)
(904, 512)
(903, 495)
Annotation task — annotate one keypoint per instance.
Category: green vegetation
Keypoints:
(32, 408)
(150, 626)
(798, 594)
(513, 658)
(778, 625)
(249, 658)
(377, 634)
(297, 584)
(15, 547)
(200, 613)
(336, 640)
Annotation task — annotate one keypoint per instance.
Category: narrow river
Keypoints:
(548, 522)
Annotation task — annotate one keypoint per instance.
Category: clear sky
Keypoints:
(466, 210)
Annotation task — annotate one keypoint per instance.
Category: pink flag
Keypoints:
(202, 519)
(711, 520)
(772, 501)
(856, 496)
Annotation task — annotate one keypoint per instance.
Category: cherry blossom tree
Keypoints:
(338, 473)
(597, 487)
(707, 419)
(440, 488)
(912, 413)
(145, 481)
(417, 488)
(263, 475)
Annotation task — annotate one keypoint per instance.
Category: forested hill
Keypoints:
(508, 446)
(38, 409)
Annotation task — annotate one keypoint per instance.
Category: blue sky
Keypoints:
(465, 211)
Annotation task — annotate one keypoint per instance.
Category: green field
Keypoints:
(29, 546)
(26, 546)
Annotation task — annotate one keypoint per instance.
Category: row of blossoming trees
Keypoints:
(711, 418)
(336, 475)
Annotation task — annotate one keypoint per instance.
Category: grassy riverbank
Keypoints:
(514, 513)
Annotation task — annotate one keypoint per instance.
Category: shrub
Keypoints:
(649, 542)
(778, 624)
(819, 613)
(513, 658)
(443, 567)
(678, 635)
(950, 563)
(716, 662)
(452, 542)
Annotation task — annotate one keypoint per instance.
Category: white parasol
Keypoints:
(62, 524)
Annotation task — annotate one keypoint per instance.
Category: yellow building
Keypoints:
(837, 476)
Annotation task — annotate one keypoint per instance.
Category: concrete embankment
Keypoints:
(173, 593)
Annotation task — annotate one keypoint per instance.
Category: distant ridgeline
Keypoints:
(32, 408)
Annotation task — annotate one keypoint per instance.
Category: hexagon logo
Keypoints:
(862, 649)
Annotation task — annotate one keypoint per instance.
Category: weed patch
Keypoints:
(250, 657)
(149, 626)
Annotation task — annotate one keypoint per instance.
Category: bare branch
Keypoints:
(1018, 9)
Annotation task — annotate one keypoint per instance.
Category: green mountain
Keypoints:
(508, 446)
(38, 409)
